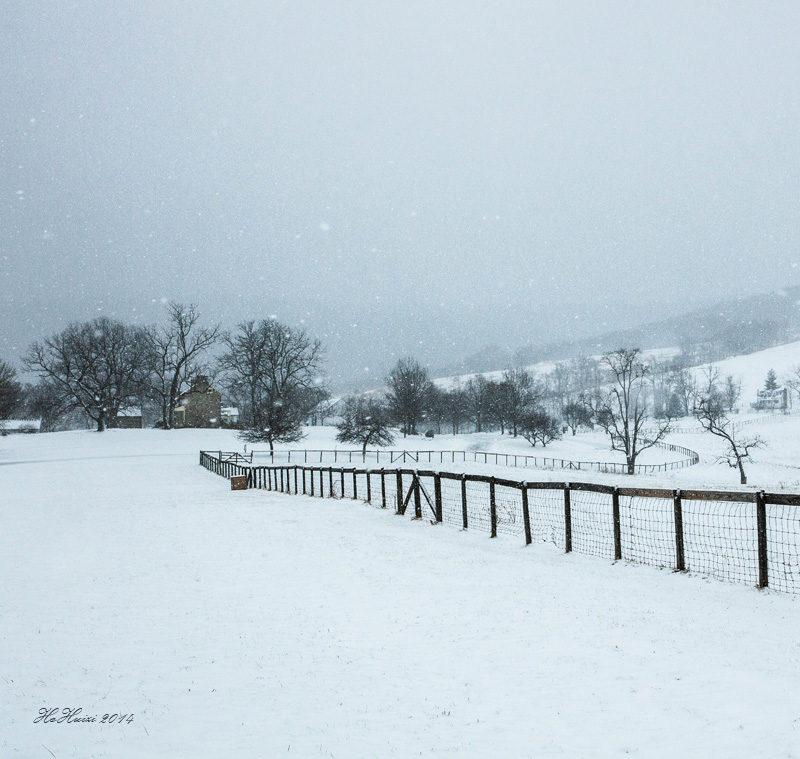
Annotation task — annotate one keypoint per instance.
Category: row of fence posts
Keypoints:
(278, 478)
(507, 458)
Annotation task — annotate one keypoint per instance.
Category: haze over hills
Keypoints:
(732, 327)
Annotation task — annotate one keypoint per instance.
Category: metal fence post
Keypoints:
(437, 489)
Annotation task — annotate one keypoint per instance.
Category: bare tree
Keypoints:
(10, 391)
(175, 350)
(684, 386)
(478, 393)
(365, 421)
(731, 392)
(520, 393)
(45, 402)
(97, 366)
(621, 408)
(537, 426)
(710, 413)
(456, 408)
(793, 381)
(577, 414)
(708, 380)
(409, 394)
(276, 371)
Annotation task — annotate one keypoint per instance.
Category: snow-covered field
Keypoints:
(252, 624)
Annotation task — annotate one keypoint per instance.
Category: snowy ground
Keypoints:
(252, 624)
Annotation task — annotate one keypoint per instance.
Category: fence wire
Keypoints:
(452, 504)
(647, 530)
(721, 539)
(546, 507)
(592, 523)
(508, 502)
(783, 531)
(754, 541)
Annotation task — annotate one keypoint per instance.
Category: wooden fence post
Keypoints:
(321, 483)
(437, 490)
(369, 488)
(492, 507)
(567, 520)
(680, 560)
(312, 482)
(304, 480)
(761, 522)
(417, 496)
(355, 486)
(526, 516)
(617, 527)
(383, 489)
(464, 500)
(331, 494)
(399, 478)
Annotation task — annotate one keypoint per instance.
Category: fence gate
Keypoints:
(417, 496)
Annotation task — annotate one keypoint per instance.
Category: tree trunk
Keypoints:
(101, 423)
(173, 400)
(741, 472)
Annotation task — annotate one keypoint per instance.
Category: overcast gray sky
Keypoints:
(398, 177)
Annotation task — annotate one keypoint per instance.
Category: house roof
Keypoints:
(130, 411)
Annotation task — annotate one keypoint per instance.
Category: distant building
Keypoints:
(229, 415)
(128, 419)
(20, 426)
(327, 412)
(200, 406)
(779, 399)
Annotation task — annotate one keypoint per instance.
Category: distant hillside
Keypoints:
(728, 328)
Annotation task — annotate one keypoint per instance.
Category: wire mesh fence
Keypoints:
(742, 537)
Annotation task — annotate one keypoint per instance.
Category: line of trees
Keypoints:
(273, 373)
(514, 405)
(93, 370)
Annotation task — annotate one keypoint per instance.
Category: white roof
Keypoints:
(131, 411)
(21, 424)
(230, 411)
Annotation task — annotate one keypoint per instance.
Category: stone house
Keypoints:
(200, 406)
